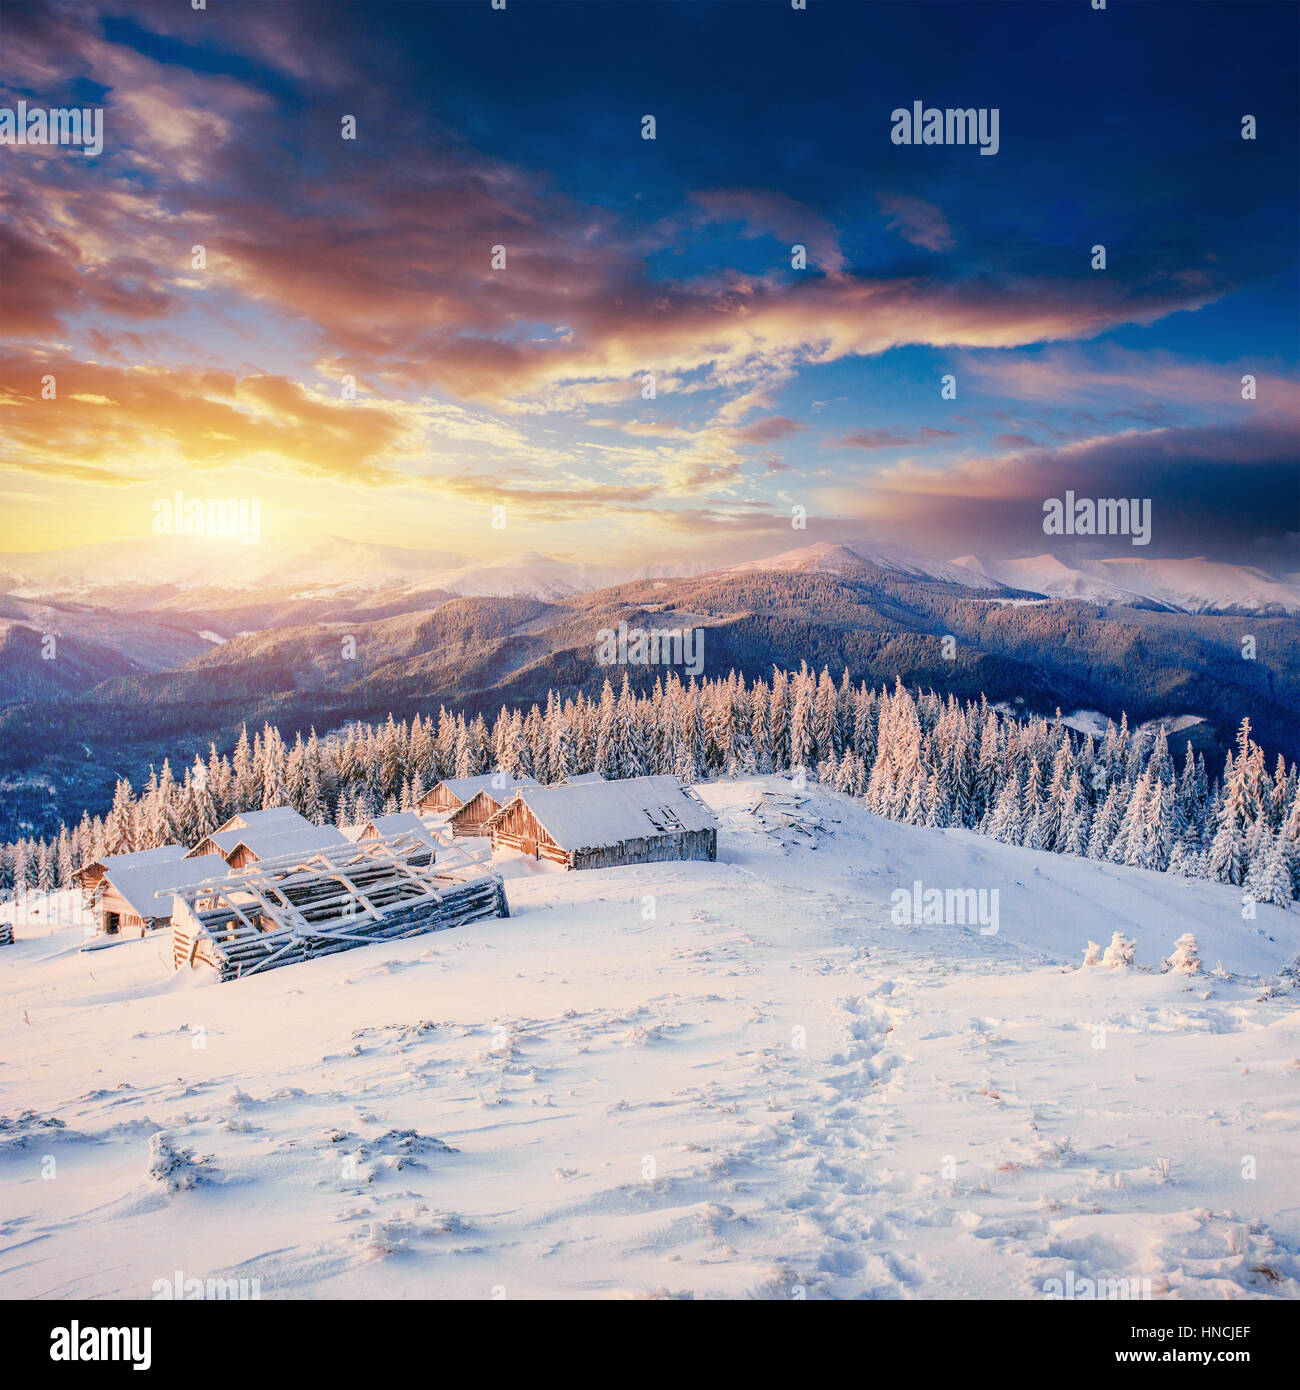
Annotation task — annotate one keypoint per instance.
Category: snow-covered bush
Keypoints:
(1092, 954)
(1184, 958)
(173, 1169)
(1119, 954)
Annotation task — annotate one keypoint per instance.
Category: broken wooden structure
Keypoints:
(338, 897)
(787, 817)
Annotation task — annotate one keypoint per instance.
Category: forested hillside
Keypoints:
(473, 654)
(912, 757)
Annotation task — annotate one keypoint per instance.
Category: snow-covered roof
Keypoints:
(283, 816)
(164, 854)
(139, 884)
(399, 823)
(580, 777)
(591, 814)
(498, 785)
(272, 842)
(261, 826)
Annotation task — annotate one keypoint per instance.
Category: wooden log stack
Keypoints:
(283, 911)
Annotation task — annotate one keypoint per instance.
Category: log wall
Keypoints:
(129, 921)
(520, 830)
(439, 799)
(653, 849)
(471, 818)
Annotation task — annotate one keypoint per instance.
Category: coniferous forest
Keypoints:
(914, 757)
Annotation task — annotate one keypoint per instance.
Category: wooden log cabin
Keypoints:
(453, 792)
(595, 825)
(89, 875)
(254, 846)
(264, 834)
(135, 893)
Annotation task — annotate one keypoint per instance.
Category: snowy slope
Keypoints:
(765, 1087)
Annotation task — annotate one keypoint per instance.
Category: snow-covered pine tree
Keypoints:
(1227, 855)
(1272, 882)
(1005, 819)
(63, 860)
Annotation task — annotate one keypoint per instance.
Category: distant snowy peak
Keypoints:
(533, 575)
(529, 575)
(845, 557)
(1045, 574)
(1194, 585)
(1199, 585)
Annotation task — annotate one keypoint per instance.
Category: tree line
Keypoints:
(910, 756)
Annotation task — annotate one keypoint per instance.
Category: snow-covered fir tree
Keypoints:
(911, 755)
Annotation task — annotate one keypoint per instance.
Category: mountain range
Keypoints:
(162, 574)
(159, 661)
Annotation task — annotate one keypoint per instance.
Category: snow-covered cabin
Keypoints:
(253, 835)
(592, 825)
(453, 792)
(136, 892)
